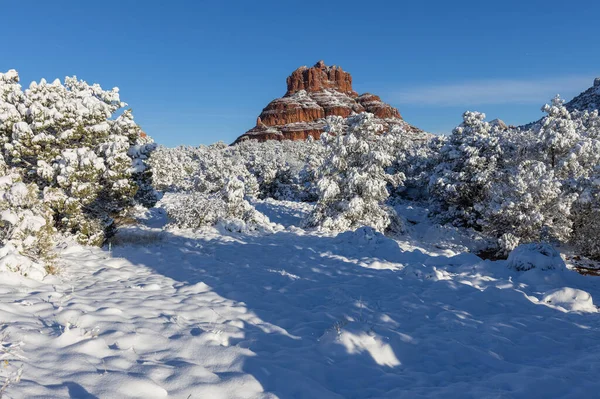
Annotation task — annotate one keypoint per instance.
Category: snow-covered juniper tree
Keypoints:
(526, 204)
(570, 144)
(352, 181)
(416, 160)
(26, 231)
(462, 179)
(69, 140)
(557, 132)
(586, 219)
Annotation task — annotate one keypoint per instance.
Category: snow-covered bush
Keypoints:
(570, 300)
(203, 169)
(172, 168)
(218, 168)
(416, 160)
(69, 140)
(285, 170)
(586, 220)
(506, 243)
(462, 179)
(26, 232)
(352, 181)
(208, 186)
(226, 207)
(541, 256)
(526, 204)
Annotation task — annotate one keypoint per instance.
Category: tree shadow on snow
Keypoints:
(309, 286)
(334, 320)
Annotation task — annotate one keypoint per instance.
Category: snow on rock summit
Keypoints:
(313, 94)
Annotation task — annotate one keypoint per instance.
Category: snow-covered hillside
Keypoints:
(297, 314)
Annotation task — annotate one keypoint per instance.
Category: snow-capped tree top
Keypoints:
(557, 108)
(11, 76)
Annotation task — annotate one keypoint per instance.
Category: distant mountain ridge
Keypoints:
(589, 100)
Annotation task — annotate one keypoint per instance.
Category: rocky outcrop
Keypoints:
(373, 104)
(320, 77)
(589, 100)
(313, 94)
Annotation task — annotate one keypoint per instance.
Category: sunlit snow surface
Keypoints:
(297, 314)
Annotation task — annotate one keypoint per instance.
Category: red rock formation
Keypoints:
(320, 77)
(313, 94)
(298, 108)
(374, 105)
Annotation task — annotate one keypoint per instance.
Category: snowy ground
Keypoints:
(298, 315)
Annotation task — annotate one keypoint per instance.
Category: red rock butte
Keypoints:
(313, 94)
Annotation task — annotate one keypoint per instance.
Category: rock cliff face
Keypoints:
(320, 77)
(313, 94)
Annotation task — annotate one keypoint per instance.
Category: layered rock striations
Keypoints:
(313, 94)
(320, 77)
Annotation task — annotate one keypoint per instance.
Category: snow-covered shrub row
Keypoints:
(68, 140)
(515, 185)
(214, 183)
(523, 185)
(274, 169)
(210, 185)
(349, 173)
(285, 170)
(226, 207)
(203, 169)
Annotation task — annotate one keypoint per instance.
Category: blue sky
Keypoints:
(196, 72)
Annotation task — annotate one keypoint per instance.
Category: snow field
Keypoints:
(210, 314)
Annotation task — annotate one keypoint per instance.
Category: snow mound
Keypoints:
(11, 261)
(540, 256)
(343, 340)
(570, 300)
(236, 225)
(368, 237)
